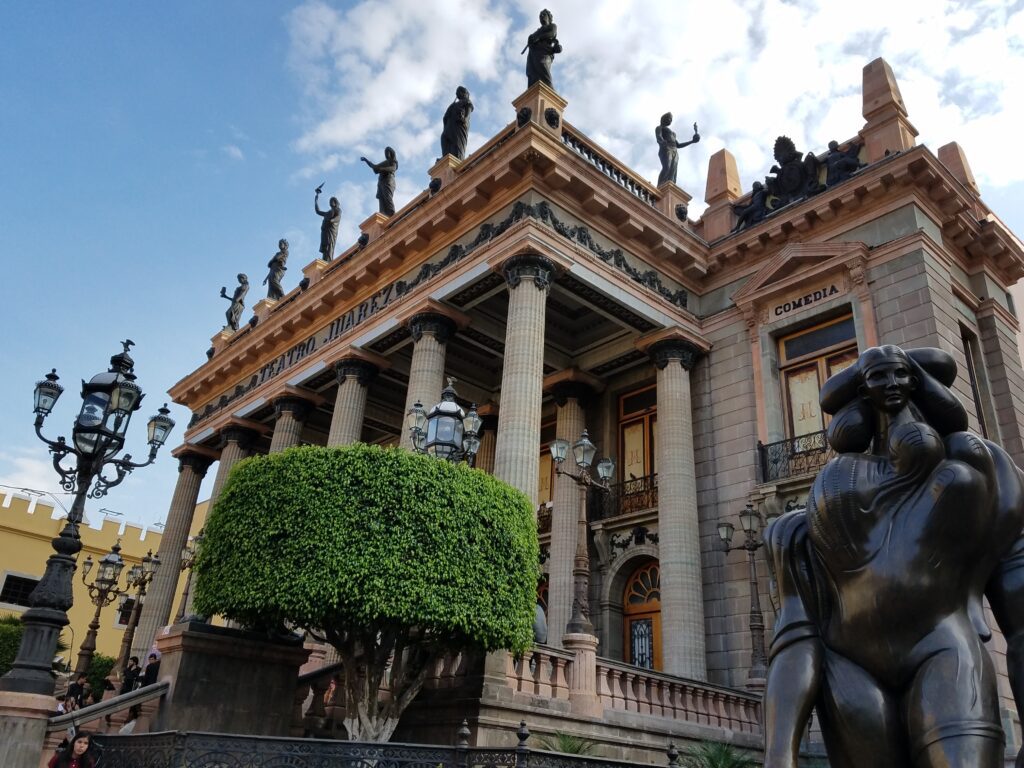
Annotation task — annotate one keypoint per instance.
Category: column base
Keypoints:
(23, 718)
(583, 698)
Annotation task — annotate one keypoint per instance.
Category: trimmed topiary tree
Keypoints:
(393, 557)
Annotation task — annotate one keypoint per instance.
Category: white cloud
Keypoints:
(381, 73)
(233, 151)
(23, 468)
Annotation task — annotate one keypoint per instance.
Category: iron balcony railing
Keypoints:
(633, 495)
(794, 457)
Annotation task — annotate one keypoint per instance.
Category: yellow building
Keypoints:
(27, 524)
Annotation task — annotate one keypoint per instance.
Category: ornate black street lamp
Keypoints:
(750, 522)
(583, 451)
(102, 592)
(108, 401)
(447, 432)
(138, 578)
(188, 559)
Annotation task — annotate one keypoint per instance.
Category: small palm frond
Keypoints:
(713, 754)
(568, 744)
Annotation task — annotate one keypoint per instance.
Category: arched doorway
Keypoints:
(641, 617)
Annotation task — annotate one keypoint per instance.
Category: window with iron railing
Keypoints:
(794, 457)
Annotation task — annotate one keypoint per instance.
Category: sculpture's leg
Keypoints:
(952, 707)
(859, 720)
(1005, 593)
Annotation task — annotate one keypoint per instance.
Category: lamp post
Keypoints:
(447, 432)
(138, 578)
(188, 559)
(750, 522)
(108, 401)
(102, 592)
(583, 451)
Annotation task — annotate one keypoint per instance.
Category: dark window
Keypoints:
(124, 611)
(638, 402)
(820, 338)
(17, 589)
(972, 353)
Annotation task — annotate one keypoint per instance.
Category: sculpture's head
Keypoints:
(758, 186)
(243, 279)
(666, 119)
(887, 378)
(335, 205)
(546, 17)
(833, 145)
(282, 245)
(389, 153)
(462, 92)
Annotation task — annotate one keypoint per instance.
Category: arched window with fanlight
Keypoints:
(641, 619)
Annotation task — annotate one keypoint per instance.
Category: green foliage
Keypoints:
(10, 638)
(568, 744)
(357, 537)
(99, 668)
(713, 754)
(11, 629)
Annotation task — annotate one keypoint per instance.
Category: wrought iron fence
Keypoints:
(794, 456)
(214, 750)
(633, 495)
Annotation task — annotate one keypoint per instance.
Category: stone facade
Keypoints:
(542, 259)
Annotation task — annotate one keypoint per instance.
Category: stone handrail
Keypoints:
(631, 689)
(542, 672)
(107, 707)
(578, 142)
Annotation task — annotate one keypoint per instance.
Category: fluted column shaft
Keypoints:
(236, 444)
(569, 426)
(156, 610)
(517, 452)
(682, 592)
(488, 438)
(430, 332)
(291, 418)
(354, 375)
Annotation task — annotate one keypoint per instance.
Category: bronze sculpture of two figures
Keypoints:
(880, 580)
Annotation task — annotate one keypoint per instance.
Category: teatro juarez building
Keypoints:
(564, 292)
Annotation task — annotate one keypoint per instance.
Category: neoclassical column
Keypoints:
(517, 452)
(156, 610)
(354, 375)
(236, 443)
(569, 425)
(291, 417)
(488, 438)
(430, 332)
(682, 593)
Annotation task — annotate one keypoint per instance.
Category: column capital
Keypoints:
(531, 266)
(235, 433)
(197, 462)
(439, 326)
(564, 391)
(674, 350)
(361, 370)
(298, 407)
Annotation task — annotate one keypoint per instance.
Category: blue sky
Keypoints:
(150, 151)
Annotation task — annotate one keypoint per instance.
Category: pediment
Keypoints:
(797, 263)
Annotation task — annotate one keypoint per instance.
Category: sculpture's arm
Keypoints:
(316, 207)
(792, 688)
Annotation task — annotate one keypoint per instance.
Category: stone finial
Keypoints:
(723, 178)
(887, 126)
(952, 156)
(722, 189)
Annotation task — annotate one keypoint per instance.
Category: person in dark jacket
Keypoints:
(152, 670)
(132, 672)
